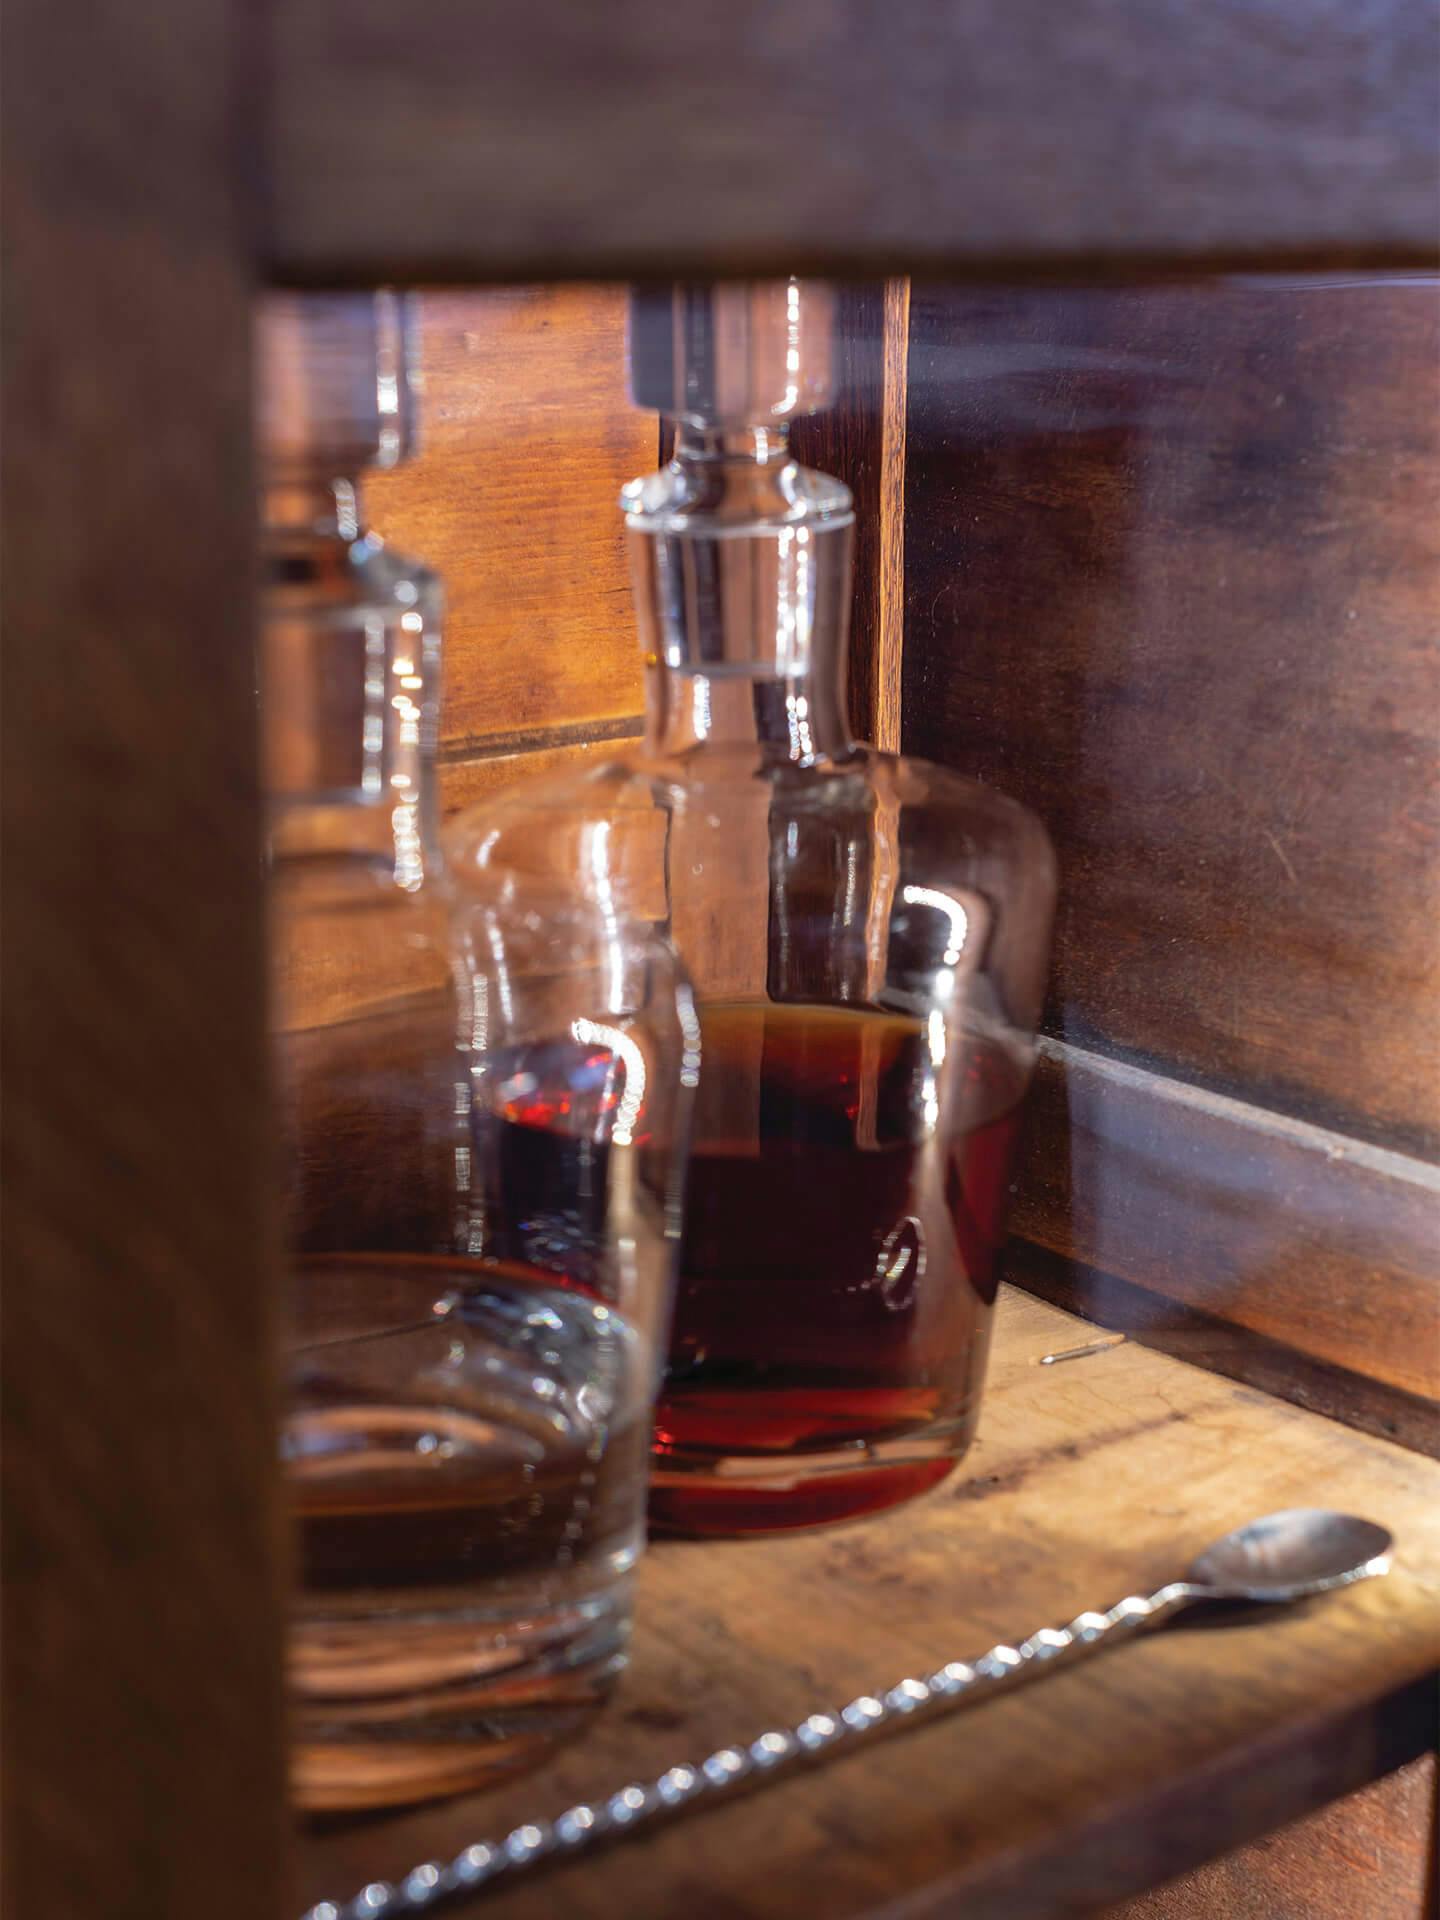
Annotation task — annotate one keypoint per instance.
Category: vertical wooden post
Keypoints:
(143, 1606)
(890, 567)
(860, 437)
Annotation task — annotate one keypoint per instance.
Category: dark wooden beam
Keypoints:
(456, 140)
(143, 1723)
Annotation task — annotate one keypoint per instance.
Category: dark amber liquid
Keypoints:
(843, 1221)
(465, 1450)
(443, 1430)
(517, 1502)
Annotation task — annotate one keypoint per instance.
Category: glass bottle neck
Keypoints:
(350, 688)
(295, 506)
(741, 566)
(796, 717)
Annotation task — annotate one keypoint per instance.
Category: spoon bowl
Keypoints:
(1287, 1556)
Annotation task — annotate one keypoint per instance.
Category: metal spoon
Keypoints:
(1282, 1557)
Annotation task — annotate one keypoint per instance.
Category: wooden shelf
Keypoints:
(1091, 1479)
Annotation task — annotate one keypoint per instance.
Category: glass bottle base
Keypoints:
(393, 1711)
(742, 1494)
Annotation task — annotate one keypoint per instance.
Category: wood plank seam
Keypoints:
(1242, 1113)
(572, 733)
(1326, 1244)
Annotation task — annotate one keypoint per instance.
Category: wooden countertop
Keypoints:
(1090, 1480)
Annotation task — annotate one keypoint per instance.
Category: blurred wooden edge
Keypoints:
(1369, 1853)
(1273, 1783)
(446, 142)
(144, 1554)
(1179, 1208)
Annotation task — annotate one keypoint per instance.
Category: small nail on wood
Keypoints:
(1079, 1353)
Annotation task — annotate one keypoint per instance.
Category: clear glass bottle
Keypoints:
(469, 1384)
(364, 1021)
(867, 937)
(364, 1006)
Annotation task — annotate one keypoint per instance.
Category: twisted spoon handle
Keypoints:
(766, 1758)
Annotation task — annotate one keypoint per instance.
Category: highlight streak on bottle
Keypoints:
(632, 1096)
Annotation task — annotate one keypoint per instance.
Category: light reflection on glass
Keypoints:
(486, 848)
(390, 358)
(632, 1091)
(785, 628)
(792, 349)
(502, 972)
(690, 1036)
(935, 1033)
(954, 912)
(599, 847)
(372, 727)
(700, 706)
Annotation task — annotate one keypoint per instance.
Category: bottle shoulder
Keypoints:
(945, 823)
(734, 497)
(944, 820)
(959, 803)
(334, 576)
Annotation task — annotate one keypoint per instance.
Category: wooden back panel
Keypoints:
(527, 438)
(1174, 572)
(1173, 569)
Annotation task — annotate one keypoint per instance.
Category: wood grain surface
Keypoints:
(527, 437)
(459, 142)
(1090, 1479)
(144, 1757)
(1173, 572)
(1172, 577)
(849, 439)
(1365, 1857)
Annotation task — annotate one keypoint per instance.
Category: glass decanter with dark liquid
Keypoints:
(867, 939)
